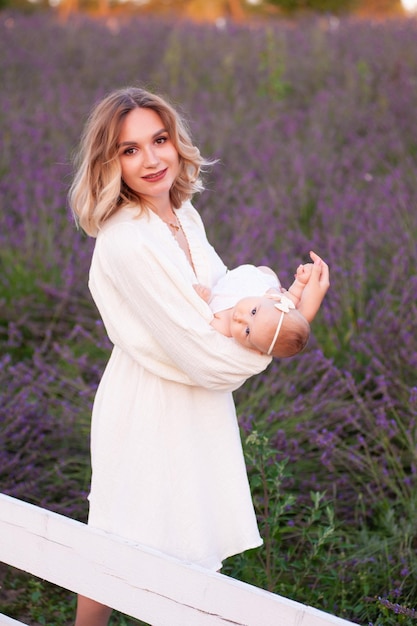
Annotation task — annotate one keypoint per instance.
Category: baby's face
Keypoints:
(253, 322)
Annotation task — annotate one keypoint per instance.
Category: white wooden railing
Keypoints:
(136, 580)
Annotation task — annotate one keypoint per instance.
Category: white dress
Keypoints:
(167, 464)
(241, 282)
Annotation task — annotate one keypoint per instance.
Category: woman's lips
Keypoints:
(152, 178)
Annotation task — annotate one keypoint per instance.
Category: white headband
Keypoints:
(284, 304)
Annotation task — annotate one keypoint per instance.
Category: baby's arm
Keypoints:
(203, 291)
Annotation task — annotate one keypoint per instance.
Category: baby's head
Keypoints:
(270, 324)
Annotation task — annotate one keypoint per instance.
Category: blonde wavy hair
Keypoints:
(98, 190)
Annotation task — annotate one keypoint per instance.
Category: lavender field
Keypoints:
(315, 128)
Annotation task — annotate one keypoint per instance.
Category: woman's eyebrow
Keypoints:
(134, 143)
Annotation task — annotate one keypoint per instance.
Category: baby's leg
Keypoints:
(267, 270)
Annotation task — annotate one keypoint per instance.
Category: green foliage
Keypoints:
(300, 537)
(40, 603)
(320, 6)
(272, 67)
(309, 557)
(35, 601)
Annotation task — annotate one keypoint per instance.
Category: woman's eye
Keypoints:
(129, 151)
(161, 140)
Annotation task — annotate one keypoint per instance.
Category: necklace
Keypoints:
(175, 226)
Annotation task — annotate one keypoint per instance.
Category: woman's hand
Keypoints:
(315, 289)
(203, 291)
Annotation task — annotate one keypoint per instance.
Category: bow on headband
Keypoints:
(284, 304)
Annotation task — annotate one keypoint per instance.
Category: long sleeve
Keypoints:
(143, 290)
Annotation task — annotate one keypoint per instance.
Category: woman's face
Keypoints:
(148, 158)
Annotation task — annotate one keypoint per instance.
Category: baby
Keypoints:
(268, 320)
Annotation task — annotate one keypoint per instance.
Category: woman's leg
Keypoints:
(91, 613)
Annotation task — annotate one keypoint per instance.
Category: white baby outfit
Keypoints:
(241, 282)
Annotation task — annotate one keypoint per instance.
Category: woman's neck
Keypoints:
(163, 210)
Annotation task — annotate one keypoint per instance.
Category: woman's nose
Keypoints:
(150, 157)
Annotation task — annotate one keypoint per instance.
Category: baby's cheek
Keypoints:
(240, 340)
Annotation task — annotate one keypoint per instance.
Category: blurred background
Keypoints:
(212, 10)
(310, 108)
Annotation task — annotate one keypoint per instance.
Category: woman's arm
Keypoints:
(152, 311)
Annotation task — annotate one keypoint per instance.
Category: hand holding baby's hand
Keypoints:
(320, 273)
(316, 288)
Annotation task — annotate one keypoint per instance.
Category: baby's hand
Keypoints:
(203, 292)
(303, 273)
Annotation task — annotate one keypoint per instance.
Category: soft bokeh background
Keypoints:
(312, 118)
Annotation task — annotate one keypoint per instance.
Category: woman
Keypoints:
(167, 463)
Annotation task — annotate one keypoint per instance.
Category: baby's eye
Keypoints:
(247, 331)
(253, 312)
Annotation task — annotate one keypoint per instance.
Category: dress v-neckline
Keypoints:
(182, 241)
(180, 238)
